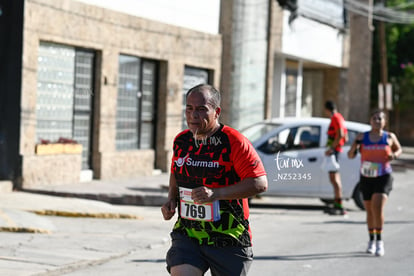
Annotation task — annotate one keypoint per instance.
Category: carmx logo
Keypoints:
(212, 140)
(181, 161)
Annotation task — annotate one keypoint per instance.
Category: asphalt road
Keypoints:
(291, 237)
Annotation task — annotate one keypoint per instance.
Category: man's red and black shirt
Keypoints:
(223, 159)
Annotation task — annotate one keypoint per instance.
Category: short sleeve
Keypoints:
(247, 162)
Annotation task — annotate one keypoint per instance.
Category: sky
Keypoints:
(201, 15)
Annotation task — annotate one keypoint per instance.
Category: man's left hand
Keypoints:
(202, 194)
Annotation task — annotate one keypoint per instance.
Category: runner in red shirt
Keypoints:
(214, 171)
(337, 134)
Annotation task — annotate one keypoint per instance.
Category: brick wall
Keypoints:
(109, 34)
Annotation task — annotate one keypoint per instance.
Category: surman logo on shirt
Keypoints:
(180, 161)
(196, 163)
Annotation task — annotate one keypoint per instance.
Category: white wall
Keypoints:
(309, 40)
(201, 15)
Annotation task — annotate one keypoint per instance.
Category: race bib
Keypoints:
(370, 169)
(197, 211)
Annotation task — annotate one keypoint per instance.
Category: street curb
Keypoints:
(13, 227)
(24, 230)
(116, 199)
(19, 221)
(86, 215)
(26, 212)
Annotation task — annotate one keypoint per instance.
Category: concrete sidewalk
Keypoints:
(27, 210)
(145, 190)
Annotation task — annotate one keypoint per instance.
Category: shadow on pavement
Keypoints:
(288, 206)
(148, 261)
(363, 222)
(316, 256)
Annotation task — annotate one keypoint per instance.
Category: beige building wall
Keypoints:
(274, 45)
(328, 80)
(359, 71)
(109, 34)
(331, 85)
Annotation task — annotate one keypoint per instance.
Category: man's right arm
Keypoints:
(353, 151)
(168, 208)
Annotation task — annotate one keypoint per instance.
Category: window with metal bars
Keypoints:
(136, 115)
(65, 95)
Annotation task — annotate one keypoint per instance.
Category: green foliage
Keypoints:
(404, 87)
(400, 56)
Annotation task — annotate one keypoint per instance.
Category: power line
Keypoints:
(380, 12)
(404, 5)
(399, 14)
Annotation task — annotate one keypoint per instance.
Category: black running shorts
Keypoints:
(227, 261)
(371, 185)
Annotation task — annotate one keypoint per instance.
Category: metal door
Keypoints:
(83, 107)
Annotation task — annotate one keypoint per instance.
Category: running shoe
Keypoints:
(371, 247)
(336, 211)
(380, 251)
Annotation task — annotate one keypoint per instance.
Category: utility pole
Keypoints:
(383, 63)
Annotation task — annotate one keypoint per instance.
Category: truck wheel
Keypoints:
(357, 197)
